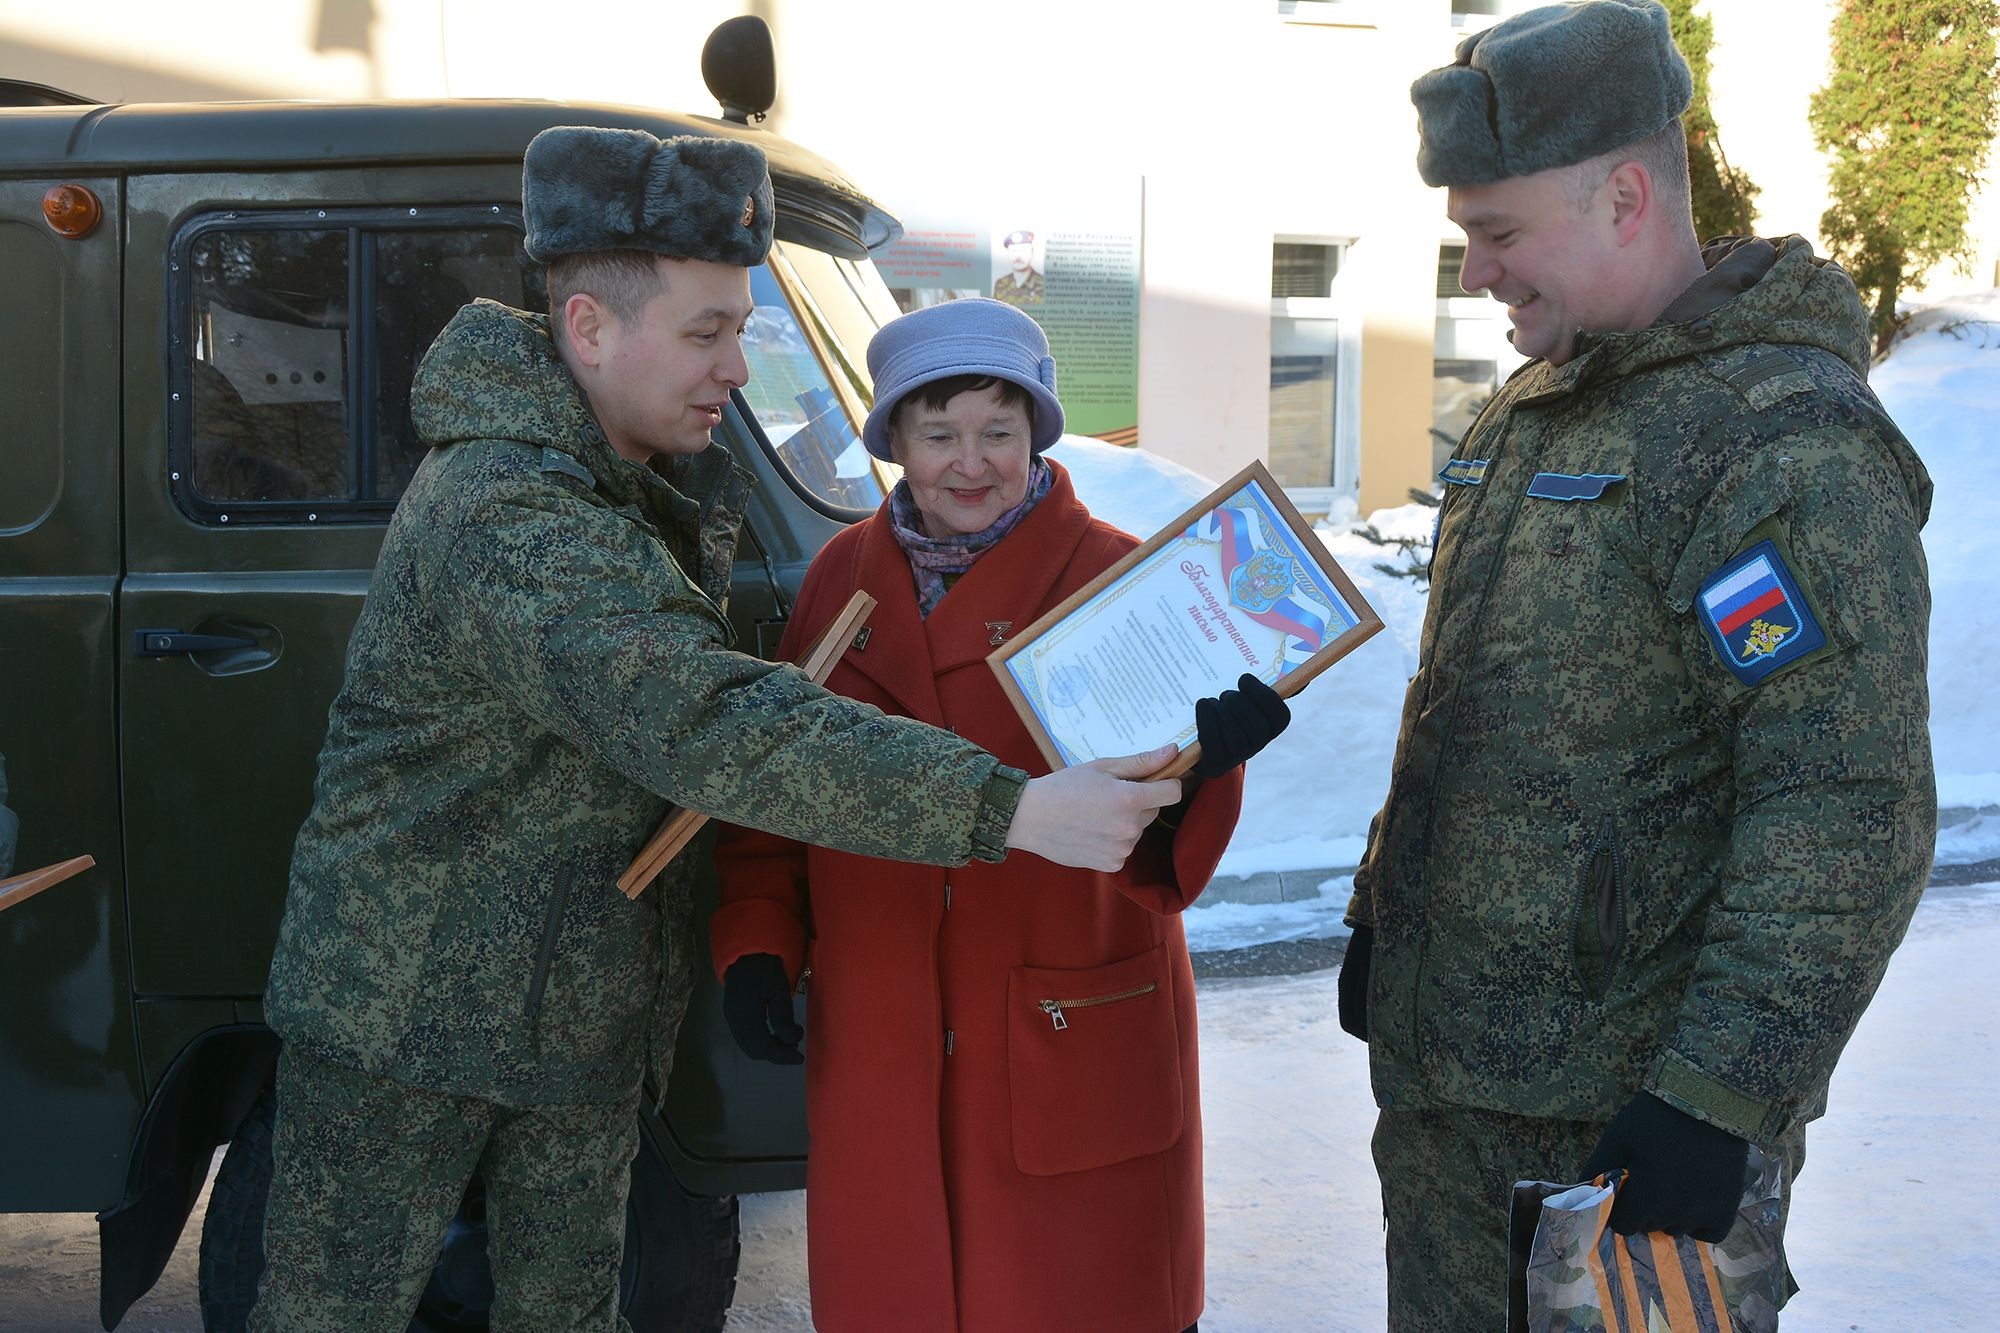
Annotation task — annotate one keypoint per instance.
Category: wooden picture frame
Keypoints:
(678, 827)
(1272, 572)
(19, 888)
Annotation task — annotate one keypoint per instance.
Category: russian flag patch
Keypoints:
(1755, 615)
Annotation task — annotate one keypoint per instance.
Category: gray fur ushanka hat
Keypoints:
(1549, 88)
(692, 197)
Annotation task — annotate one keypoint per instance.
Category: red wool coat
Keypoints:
(975, 1164)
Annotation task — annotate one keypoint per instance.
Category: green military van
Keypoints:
(213, 314)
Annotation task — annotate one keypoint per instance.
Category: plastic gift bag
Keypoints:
(1573, 1274)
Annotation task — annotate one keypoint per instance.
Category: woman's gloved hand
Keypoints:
(757, 1005)
(1684, 1175)
(1236, 724)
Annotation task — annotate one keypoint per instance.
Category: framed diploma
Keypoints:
(1237, 584)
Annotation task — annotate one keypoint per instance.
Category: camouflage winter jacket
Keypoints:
(541, 664)
(1662, 801)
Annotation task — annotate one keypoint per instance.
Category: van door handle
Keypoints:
(171, 642)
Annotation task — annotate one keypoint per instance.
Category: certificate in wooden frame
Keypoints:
(1237, 583)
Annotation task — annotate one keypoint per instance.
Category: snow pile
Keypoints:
(1941, 383)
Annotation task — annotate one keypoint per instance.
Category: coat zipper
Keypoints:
(1601, 908)
(1054, 1008)
(545, 955)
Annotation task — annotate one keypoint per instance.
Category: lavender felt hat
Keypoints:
(970, 336)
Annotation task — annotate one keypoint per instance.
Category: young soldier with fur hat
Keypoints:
(542, 664)
(1662, 801)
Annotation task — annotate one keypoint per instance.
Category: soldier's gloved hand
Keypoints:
(1354, 983)
(757, 1005)
(1685, 1175)
(1236, 724)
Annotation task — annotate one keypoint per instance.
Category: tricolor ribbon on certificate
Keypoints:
(1262, 583)
(1239, 583)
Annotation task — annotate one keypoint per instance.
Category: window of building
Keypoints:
(1336, 13)
(1471, 354)
(1314, 398)
(301, 332)
(1475, 15)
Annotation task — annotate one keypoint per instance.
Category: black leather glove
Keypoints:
(1236, 724)
(757, 1005)
(1685, 1175)
(1354, 983)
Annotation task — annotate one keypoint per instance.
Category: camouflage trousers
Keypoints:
(1447, 1188)
(368, 1173)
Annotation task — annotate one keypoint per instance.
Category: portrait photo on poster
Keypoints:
(1018, 265)
(1239, 583)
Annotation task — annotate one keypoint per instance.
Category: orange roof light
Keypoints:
(72, 210)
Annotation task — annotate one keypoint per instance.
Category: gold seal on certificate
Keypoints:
(1238, 583)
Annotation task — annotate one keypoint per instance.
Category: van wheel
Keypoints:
(678, 1275)
(232, 1230)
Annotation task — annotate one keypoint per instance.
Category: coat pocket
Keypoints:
(1093, 1064)
(1599, 926)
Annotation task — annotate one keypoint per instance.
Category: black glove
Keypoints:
(757, 1004)
(1354, 983)
(1236, 724)
(1685, 1175)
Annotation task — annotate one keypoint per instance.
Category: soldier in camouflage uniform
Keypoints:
(1662, 800)
(1023, 286)
(542, 664)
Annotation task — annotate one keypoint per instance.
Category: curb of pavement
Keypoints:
(1270, 886)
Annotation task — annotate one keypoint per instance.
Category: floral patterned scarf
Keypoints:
(937, 562)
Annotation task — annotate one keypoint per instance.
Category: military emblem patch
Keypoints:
(1755, 615)
(1465, 471)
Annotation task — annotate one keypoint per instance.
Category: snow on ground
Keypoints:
(1941, 383)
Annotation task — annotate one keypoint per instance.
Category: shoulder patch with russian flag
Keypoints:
(1755, 615)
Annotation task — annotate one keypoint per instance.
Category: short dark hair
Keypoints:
(937, 395)
(624, 280)
(1664, 154)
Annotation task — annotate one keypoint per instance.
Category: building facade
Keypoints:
(1296, 282)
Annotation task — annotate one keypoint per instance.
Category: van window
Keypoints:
(808, 389)
(299, 335)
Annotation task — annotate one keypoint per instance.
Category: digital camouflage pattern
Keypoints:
(382, 1168)
(541, 664)
(10, 825)
(1605, 862)
(1019, 291)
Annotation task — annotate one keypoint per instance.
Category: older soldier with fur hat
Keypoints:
(541, 665)
(1662, 801)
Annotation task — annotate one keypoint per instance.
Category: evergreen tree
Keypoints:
(1907, 114)
(1722, 194)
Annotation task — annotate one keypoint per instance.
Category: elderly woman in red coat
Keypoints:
(1001, 1090)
